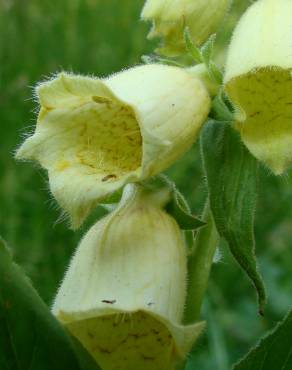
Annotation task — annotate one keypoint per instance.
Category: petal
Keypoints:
(89, 150)
(123, 295)
(68, 90)
(78, 190)
(170, 17)
(264, 109)
(134, 340)
(171, 107)
(261, 39)
(260, 85)
(102, 133)
(152, 9)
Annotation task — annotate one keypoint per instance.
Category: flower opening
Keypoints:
(96, 135)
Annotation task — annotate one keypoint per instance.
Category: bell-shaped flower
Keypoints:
(258, 81)
(95, 135)
(124, 293)
(170, 17)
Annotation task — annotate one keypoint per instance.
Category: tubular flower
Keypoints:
(95, 135)
(170, 17)
(123, 295)
(258, 81)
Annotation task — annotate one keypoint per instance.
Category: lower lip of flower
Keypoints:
(263, 98)
(126, 341)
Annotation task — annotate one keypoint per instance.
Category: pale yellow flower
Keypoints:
(124, 293)
(258, 81)
(95, 135)
(170, 17)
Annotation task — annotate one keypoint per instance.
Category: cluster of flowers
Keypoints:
(124, 293)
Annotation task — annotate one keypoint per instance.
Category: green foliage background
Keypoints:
(38, 38)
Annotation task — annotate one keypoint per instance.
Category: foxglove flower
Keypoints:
(170, 17)
(124, 293)
(258, 81)
(95, 135)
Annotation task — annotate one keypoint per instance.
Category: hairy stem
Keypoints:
(199, 266)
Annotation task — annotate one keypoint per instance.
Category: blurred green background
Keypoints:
(38, 38)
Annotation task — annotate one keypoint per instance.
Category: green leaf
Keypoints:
(231, 174)
(274, 352)
(30, 337)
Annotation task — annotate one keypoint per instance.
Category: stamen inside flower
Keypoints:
(104, 137)
(125, 341)
(263, 98)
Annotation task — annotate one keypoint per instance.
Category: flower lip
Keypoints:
(139, 341)
(263, 120)
(100, 133)
(138, 323)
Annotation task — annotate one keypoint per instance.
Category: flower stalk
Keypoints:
(199, 265)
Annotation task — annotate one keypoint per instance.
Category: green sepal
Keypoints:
(176, 205)
(215, 72)
(204, 55)
(232, 173)
(206, 52)
(192, 49)
(207, 49)
(179, 209)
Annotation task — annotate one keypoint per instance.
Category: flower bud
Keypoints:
(170, 17)
(258, 81)
(124, 293)
(95, 135)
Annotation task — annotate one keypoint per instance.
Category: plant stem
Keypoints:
(199, 266)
